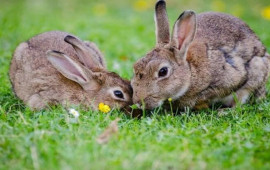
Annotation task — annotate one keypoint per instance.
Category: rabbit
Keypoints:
(210, 57)
(57, 68)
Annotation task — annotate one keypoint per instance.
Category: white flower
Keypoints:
(74, 112)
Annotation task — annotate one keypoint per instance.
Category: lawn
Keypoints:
(124, 30)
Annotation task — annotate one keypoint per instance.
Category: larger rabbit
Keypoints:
(209, 57)
(76, 75)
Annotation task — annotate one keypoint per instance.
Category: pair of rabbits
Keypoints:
(211, 57)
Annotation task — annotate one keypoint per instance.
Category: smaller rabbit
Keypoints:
(210, 57)
(58, 68)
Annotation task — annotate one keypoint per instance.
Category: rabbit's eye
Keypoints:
(163, 72)
(118, 94)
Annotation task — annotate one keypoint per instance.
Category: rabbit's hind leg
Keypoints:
(257, 76)
(258, 71)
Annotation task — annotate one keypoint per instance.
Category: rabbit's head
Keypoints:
(99, 85)
(164, 72)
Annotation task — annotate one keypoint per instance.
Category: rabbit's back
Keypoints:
(31, 73)
(229, 34)
(231, 58)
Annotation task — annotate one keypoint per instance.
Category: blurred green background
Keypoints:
(124, 30)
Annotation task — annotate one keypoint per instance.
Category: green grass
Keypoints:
(240, 139)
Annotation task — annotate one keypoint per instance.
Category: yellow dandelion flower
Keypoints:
(100, 9)
(141, 5)
(266, 13)
(104, 108)
(170, 99)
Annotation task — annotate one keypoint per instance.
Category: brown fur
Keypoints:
(38, 83)
(225, 56)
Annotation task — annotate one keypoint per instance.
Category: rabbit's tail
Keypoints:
(267, 56)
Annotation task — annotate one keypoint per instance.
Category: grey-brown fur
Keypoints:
(38, 83)
(225, 56)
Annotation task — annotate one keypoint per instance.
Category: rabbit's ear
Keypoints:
(68, 68)
(86, 55)
(97, 53)
(184, 31)
(162, 23)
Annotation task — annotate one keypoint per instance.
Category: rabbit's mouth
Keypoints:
(150, 103)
